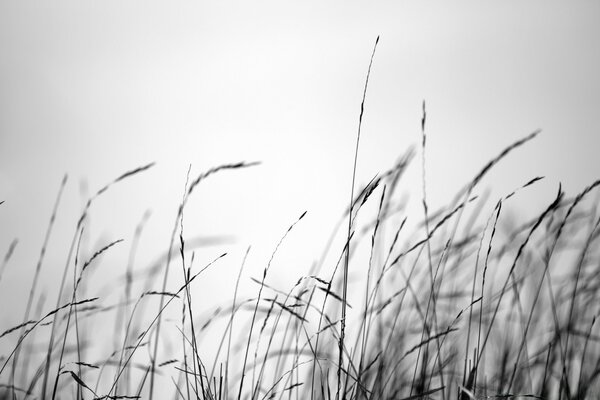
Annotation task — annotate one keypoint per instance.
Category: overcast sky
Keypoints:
(95, 88)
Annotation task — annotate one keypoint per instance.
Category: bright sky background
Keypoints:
(95, 88)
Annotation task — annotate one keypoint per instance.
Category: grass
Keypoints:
(462, 305)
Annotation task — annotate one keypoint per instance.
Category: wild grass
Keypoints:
(457, 303)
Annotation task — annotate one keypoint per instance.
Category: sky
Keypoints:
(93, 89)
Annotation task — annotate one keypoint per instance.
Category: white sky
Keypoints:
(94, 88)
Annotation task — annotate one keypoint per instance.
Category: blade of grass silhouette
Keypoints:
(156, 318)
(467, 344)
(323, 316)
(54, 327)
(188, 305)
(292, 315)
(74, 298)
(579, 197)
(192, 186)
(229, 328)
(347, 258)
(507, 150)
(103, 189)
(8, 255)
(542, 216)
(497, 209)
(38, 268)
(467, 191)
(129, 279)
(127, 330)
(415, 348)
(79, 382)
(431, 302)
(477, 256)
(572, 300)
(363, 324)
(582, 363)
(68, 261)
(407, 288)
(258, 300)
(38, 323)
(469, 188)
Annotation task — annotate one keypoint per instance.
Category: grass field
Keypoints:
(461, 302)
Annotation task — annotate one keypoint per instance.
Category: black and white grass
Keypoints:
(460, 302)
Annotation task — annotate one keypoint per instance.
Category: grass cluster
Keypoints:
(462, 305)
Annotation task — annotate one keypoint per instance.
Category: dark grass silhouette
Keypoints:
(463, 305)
